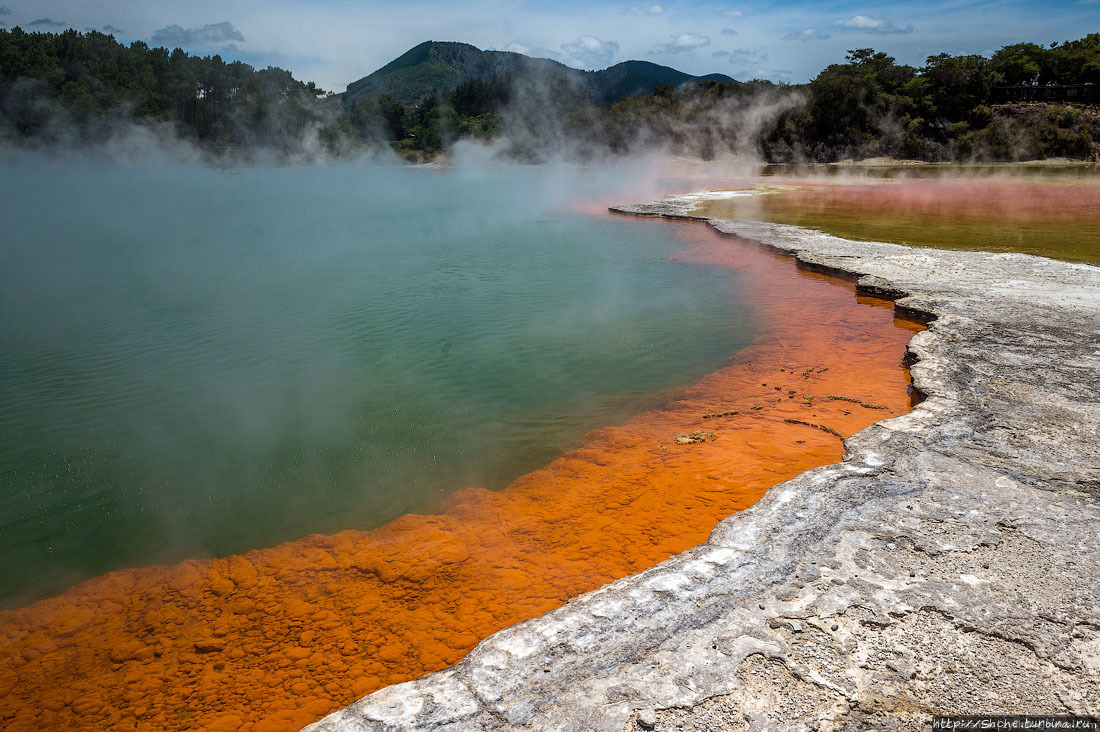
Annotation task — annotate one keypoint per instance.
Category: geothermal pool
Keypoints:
(559, 320)
(197, 363)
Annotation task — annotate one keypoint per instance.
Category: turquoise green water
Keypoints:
(197, 363)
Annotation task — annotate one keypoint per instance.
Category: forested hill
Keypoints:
(632, 78)
(438, 67)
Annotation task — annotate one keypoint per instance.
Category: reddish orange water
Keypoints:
(276, 638)
(1020, 202)
(1049, 218)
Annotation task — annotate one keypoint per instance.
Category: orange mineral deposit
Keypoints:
(276, 638)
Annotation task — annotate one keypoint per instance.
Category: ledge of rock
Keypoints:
(949, 565)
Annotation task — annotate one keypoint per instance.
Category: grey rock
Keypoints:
(957, 546)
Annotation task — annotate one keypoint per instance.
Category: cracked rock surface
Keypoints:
(950, 565)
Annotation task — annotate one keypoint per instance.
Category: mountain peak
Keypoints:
(437, 67)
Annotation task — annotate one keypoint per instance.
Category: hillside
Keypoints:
(440, 66)
(631, 78)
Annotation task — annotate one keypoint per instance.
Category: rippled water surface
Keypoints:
(195, 362)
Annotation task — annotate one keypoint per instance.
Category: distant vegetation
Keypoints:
(74, 87)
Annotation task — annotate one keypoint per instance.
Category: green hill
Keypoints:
(440, 66)
(631, 78)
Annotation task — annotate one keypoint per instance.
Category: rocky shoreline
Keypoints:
(949, 565)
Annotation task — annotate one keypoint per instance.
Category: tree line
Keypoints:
(72, 85)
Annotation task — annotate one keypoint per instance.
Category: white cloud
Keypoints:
(646, 9)
(808, 34)
(874, 26)
(589, 52)
(747, 74)
(213, 33)
(749, 56)
(750, 63)
(683, 43)
(534, 51)
(733, 14)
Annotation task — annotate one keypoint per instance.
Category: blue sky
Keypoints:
(334, 42)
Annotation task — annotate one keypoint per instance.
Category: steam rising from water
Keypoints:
(202, 362)
(250, 315)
